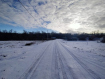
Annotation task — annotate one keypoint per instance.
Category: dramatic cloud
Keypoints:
(60, 15)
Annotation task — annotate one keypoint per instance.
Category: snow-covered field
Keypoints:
(56, 59)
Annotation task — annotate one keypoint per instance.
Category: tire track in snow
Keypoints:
(92, 73)
(56, 68)
(54, 74)
(67, 72)
(61, 65)
(33, 67)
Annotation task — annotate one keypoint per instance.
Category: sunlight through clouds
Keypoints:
(75, 26)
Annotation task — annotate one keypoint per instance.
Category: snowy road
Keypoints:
(57, 61)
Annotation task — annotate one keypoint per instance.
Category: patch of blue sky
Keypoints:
(46, 22)
(42, 3)
(9, 27)
(36, 11)
(20, 29)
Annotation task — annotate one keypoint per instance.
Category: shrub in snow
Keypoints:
(3, 55)
(28, 44)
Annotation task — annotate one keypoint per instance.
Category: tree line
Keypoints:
(25, 35)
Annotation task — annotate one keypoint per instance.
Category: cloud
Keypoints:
(61, 15)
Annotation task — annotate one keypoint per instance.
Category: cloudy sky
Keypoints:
(66, 16)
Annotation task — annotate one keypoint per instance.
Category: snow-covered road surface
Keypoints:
(57, 59)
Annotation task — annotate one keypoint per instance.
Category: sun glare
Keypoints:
(74, 26)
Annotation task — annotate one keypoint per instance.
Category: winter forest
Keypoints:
(25, 35)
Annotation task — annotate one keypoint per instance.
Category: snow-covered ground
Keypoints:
(56, 59)
(15, 57)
